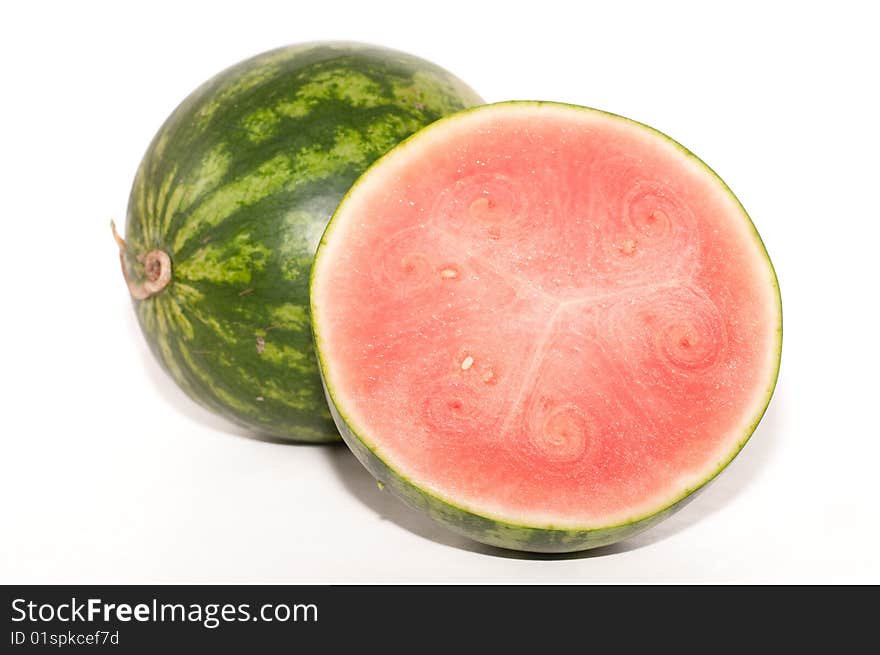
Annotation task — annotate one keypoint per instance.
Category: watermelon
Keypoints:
(544, 325)
(228, 206)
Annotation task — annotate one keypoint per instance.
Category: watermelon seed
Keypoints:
(449, 272)
(467, 363)
(481, 207)
(628, 247)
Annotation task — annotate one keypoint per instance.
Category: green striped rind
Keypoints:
(494, 530)
(237, 187)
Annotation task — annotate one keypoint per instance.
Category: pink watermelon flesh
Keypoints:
(547, 315)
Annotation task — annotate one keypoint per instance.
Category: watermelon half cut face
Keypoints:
(544, 325)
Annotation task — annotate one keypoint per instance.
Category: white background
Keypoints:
(110, 474)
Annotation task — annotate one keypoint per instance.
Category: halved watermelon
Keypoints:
(545, 325)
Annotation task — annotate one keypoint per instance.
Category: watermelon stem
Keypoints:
(157, 268)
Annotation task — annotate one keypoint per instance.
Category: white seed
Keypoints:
(628, 247)
(467, 363)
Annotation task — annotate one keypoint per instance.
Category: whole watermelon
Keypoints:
(228, 207)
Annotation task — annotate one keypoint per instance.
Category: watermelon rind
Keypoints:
(236, 189)
(501, 531)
